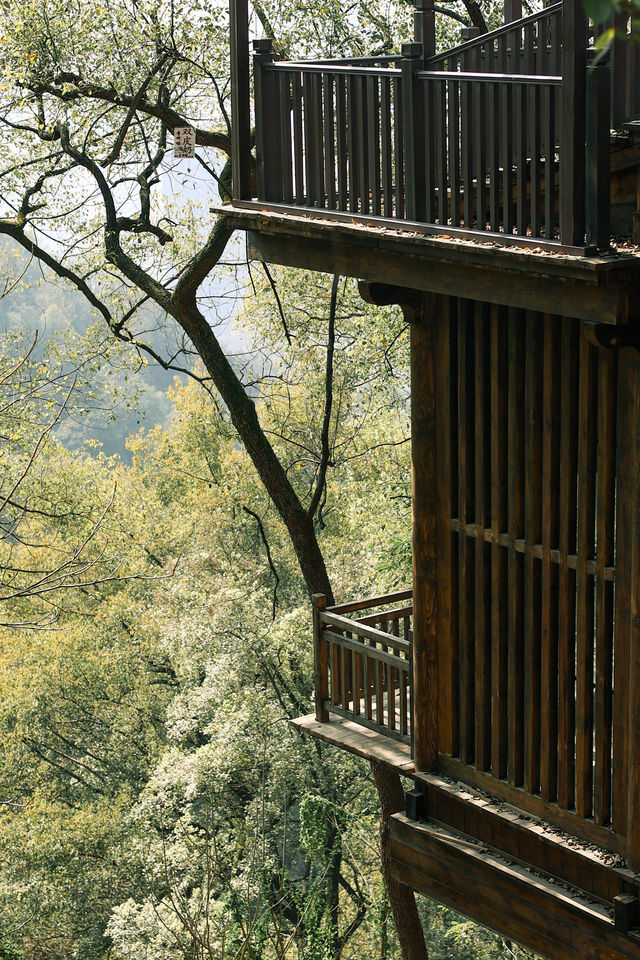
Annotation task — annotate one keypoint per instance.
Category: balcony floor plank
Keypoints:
(360, 740)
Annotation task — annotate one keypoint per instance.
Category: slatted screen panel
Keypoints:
(531, 414)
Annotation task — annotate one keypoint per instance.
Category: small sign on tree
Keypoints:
(184, 142)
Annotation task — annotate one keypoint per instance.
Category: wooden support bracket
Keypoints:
(625, 912)
(386, 294)
(415, 802)
(611, 337)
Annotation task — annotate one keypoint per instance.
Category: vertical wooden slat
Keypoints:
(532, 533)
(448, 666)
(398, 166)
(329, 140)
(466, 106)
(387, 149)
(535, 149)
(362, 134)
(298, 147)
(584, 580)
(567, 545)
(549, 613)
(521, 158)
(424, 532)
(373, 151)
(507, 156)
(499, 580)
(515, 481)
(550, 163)
(604, 590)
(479, 142)
(482, 613)
(440, 97)
(465, 512)
(494, 155)
(341, 141)
(285, 136)
(633, 854)
(453, 107)
(353, 144)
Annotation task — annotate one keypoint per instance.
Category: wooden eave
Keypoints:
(598, 289)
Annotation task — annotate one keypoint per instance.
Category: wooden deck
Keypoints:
(354, 738)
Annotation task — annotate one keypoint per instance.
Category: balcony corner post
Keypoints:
(573, 130)
(424, 26)
(321, 659)
(413, 131)
(598, 192)
(267, 107)
(240, 100)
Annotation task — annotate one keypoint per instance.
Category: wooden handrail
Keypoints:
(369, 633)
(364, 604)
(494, 34)
(339, 70)
(524, 78)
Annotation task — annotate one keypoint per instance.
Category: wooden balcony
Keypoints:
(505, 136)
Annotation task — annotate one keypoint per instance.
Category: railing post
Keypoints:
(240, 105)
(413, 132)
(267, 106)
(424, 26)
(598, 192)
(512, 10)
(320, 659)
(573, 126)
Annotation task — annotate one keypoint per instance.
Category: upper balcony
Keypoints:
(505, 137)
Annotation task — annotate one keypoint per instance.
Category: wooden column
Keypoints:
(425, 552)
(268, 123)
(512, 10)
(572, 136)
(240, 107)
(424, 26)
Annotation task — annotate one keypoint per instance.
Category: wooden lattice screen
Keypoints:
(535, 504)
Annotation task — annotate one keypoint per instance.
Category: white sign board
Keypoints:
(184, 142)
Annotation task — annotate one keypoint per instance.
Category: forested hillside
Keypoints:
(154, 801)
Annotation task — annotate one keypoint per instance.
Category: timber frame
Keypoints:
(504, 684)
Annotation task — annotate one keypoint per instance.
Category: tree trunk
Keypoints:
(401, 898)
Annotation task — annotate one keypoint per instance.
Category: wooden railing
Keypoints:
(531, 45)
(363, 664)
(505, 134)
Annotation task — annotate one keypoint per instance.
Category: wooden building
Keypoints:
(477, 188)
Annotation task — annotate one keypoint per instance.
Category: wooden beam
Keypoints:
(542, 915)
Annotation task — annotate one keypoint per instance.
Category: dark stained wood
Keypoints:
(413, 132)
(424, 536)
(321, 660)
(567, 545)
(533, 911)
(626, 468)
(482, 615)
(466, 552)
(515, 522)
(453, 152)
(493, 154)
(493, 275)
(632, 374)
(572, 144)
(499, 521)
(341, 141)
(373, 152)
(584, 581)
(549, 116)
(240, 102)
(446, 423)
(386, 133)
(506, 150)
(606, 463)
(298, 145)
(550, 535)
(284, 82)
(532, 533)
(328, 116)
